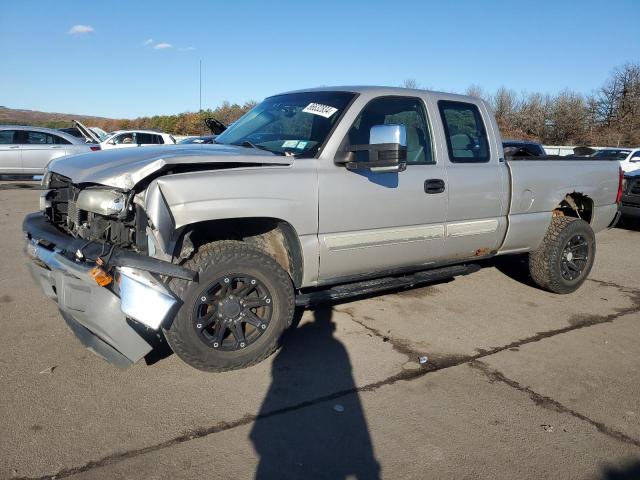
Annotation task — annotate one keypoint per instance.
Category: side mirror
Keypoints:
(387, 149)
(111, 142)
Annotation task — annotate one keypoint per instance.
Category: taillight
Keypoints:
(619, 196)
(94, 148)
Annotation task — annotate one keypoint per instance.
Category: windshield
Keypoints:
(617, 154)
(295, 123)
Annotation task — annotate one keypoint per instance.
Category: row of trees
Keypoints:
(610, 116)
(188, 123)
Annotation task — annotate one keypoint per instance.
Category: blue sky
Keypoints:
(251, 49)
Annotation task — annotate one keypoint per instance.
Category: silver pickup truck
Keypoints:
(312, 196)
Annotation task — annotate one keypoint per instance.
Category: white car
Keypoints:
(629, 157)
(127, 138)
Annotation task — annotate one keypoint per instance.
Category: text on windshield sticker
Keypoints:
(319, 109)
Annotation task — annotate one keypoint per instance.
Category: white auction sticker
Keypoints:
(318, 109)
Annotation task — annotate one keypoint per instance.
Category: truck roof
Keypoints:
(380, 90)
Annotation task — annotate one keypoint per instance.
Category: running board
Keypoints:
(340, 292)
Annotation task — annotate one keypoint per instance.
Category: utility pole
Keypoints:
(200, 84)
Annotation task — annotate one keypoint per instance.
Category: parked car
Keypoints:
(630, 205)
(27, 150)
(313, 195)
(522, 148)
(126, 138)
(198, 140)
(629, 158)
(632, 161)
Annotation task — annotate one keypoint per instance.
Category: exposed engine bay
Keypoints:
(74, 210)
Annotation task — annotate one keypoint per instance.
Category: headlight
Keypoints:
(104, 202)
(46, 179)
(624, 184)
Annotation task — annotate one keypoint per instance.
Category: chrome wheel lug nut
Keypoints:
(204, 299)
(215, 345)
(242, 344)
(263, 326)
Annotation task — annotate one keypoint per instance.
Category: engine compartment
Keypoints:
(128, 230)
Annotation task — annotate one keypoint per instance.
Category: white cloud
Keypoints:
(80, 29)
(148, 41)
(162, 46)
(187, 49)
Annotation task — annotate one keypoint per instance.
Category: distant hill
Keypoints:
(186, 123)
(45, 119)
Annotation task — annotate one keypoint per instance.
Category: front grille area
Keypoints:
(634, 188)
(63, 202)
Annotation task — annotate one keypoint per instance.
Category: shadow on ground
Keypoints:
(330, 439)
(631, 471)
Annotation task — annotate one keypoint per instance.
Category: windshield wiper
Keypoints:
(248, 144)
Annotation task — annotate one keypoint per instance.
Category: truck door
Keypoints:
(376, 221)
(477, 181)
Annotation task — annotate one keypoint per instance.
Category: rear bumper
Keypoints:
(116, 322)
(631, 210)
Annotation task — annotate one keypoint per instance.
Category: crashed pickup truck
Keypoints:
(312, 196)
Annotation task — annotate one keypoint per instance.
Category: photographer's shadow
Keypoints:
(324, 439)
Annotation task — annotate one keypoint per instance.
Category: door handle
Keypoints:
(14, 146)
(434, 185)
(56, 147)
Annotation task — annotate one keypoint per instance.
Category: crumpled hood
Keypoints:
(124, 168)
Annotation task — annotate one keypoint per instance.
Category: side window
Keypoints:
(634, 156)
(407, 111)
(6, 137)
(59, 140)
(466, 136)
(124, 138)
(144, 138)
(38, 138)
(158, 139)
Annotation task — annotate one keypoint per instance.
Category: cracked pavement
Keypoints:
(519, 383)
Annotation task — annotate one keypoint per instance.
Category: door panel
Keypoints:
(476, 218)
(10, 152)
(379, 221)
(38, 148)
(373, 221)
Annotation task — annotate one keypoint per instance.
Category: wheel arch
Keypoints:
(575, 204)
(275, 236)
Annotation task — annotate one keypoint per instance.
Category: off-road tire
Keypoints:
(219, 259)
(545, 261)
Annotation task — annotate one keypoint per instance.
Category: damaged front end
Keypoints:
(89, 251)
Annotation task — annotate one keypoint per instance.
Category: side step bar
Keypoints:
(340, 292)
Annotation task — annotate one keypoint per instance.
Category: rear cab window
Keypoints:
(465, 132)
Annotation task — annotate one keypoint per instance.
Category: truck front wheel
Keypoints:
(234, 316)
(564, 259)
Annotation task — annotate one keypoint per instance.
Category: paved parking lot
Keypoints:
(519, 383)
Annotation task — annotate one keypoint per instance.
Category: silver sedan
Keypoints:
(27, 150)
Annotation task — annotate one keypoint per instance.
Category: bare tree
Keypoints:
(410, 83)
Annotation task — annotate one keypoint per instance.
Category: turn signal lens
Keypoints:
(620, 186)
(101, 277)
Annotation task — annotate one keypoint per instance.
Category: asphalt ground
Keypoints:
(518, 383)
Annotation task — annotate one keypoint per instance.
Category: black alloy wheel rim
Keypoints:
(575, 257)
(232, 312)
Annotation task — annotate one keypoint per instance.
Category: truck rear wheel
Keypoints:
(234, 316)
(564, 259)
